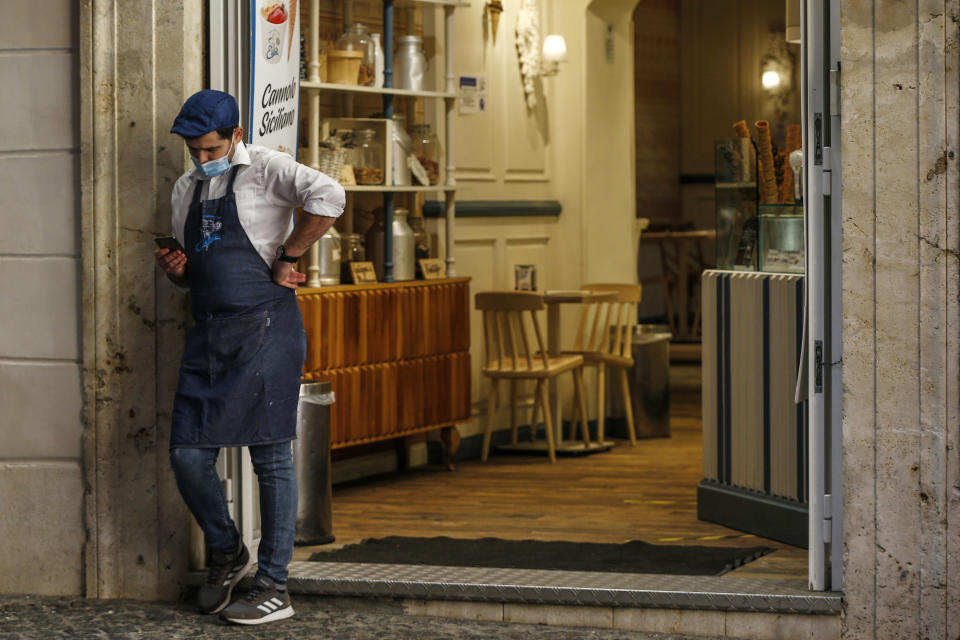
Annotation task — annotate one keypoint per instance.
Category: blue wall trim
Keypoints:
(494, 208)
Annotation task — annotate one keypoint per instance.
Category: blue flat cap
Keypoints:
(206, 111)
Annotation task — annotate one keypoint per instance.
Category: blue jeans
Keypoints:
(200, 486)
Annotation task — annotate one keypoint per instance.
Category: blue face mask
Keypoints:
(216, 167)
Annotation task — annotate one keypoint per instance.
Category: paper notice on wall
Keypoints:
(275, 74)
(473, 95)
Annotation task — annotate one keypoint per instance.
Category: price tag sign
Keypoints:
(363, 272)
(432, 268)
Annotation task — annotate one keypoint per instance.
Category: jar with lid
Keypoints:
(328, 271)
(410, 64)
(426, 146)
(421, 240)
(357, 38)
(367, 157)
(351, 250)
(404, 260)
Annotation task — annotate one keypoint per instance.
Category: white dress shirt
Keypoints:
(267, 189)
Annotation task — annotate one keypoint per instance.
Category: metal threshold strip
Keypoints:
(571, 588)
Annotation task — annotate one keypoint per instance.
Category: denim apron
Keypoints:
(240, 373)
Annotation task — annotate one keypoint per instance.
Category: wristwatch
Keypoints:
(282, 255)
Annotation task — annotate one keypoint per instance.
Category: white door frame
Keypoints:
(822, 162)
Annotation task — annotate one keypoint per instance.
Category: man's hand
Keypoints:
(286, 276)
(172, 263)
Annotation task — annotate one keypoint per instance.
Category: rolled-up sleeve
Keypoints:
(288, 183)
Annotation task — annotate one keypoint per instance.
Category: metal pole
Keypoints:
(388, 114)
(313, 135)
(451, 181)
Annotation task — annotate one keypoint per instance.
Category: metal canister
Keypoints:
(329, 246)
(410, 63)
(404, 258)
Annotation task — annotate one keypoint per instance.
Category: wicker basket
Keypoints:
(332, 155)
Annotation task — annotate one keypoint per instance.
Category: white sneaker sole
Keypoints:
(279, 614)
(236, 580)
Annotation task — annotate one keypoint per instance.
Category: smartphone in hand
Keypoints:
(169, 242)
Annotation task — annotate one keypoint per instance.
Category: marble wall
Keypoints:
(138, 62)
(900, 318)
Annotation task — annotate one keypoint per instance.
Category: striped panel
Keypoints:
(754, 435)
(746, 381)
(708, 374)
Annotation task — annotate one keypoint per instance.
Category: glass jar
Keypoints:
(426, 146)
(351, 250)
(357, 38)
(410, 64)
(421, 240)
(367, 157)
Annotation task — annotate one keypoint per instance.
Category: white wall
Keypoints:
(574, 147)
(40, 379)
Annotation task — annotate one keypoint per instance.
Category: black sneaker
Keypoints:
(226, 570)
(266, 602)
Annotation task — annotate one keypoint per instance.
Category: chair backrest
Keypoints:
(598, 318)
(509, 317)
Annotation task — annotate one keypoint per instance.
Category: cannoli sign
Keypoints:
(274, 74)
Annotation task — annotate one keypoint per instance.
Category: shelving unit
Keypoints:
(404, 188)
(313, 86)
(349, 88)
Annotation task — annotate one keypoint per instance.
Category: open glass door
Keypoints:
(821, 108)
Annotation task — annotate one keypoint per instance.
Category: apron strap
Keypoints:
(233, 176)
(199, 187)
(196, 192)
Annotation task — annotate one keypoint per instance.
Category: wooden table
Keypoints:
(553, 300)
(681, 241)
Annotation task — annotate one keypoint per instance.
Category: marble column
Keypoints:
(900, 324)
(138, 62)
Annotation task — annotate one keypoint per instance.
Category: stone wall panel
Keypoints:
(859, 316)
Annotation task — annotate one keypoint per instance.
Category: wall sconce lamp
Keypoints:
(774, 75)
(554, 52)
(770, 79)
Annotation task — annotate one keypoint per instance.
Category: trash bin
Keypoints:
(649, 382)
(311, 463)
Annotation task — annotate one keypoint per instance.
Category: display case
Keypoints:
(781, 238)
(735, 162)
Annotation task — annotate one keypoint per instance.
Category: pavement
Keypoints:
(26, 617)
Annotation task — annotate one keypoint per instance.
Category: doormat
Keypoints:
(630, 557)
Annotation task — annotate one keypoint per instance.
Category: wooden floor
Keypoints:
(645, 493)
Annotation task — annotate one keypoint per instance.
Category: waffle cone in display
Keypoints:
(786, 187)
(793, 138)
(741, 129)
(494, 9)
(766, 172)
(292, 20)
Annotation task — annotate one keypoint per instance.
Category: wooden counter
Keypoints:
(396, 355)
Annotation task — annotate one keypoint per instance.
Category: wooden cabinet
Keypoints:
(397, 356)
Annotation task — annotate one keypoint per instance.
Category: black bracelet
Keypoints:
(284, 257)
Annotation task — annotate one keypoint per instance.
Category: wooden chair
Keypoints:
(509, 319)
(604, 338)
